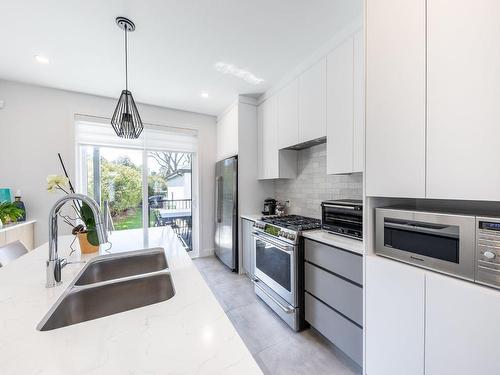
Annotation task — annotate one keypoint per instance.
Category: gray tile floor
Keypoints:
(276, 348)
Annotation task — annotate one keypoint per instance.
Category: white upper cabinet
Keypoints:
(288, 115)
(345, 107)
(272, 162)
(340, 109)
(463, 127)
(395, 97)
(270, 138)
(461, 330)
(358, 162)
(260, 142)
(394, 324)
(312, 102)
(227, 134)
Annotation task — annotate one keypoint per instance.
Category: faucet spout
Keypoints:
(54, 263)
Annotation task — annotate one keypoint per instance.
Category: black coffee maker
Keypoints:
(269, 207)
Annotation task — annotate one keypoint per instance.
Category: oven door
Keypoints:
(275, 265)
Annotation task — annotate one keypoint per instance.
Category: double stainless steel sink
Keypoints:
(111, 284)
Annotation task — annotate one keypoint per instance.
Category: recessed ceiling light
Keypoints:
(204, 95)
(238, 72)
(41, 59)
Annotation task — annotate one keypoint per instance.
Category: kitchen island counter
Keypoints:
(187, 334)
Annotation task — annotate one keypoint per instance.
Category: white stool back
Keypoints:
(11, 251)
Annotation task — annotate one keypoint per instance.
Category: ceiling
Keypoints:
(174, 49)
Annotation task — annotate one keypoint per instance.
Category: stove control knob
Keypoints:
(291, 236)
(489, 254)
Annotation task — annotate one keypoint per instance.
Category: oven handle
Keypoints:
(256, 235)
(286, 309)
(415, 227)
(339, 206)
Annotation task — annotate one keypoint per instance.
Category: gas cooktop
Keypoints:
(293, 222)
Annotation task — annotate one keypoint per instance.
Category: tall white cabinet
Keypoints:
(345, 107)
(463, 128)
(395, 98)
(394, 318)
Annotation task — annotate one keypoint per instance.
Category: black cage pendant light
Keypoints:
(126, 120)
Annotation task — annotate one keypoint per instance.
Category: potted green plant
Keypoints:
(9, 213)
(83, 225)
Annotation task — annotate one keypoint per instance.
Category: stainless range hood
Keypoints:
(307, 144)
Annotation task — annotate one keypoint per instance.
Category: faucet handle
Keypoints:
(57, 269)
(64, 262)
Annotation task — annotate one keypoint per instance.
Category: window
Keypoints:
(148, 182)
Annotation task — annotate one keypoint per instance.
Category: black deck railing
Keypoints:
(175, 213)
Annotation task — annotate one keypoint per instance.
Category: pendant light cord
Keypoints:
(126, 59)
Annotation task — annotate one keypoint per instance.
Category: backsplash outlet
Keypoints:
(313, 186)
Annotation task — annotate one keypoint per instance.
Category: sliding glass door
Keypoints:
(170, 192)
(128, 177)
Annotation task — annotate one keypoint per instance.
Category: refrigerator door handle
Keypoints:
(217, 199)
(218, 210)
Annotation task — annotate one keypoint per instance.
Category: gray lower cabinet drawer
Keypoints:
(340, 294)
(341, 262)
(340, 331)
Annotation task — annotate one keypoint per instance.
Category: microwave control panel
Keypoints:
(488, 251)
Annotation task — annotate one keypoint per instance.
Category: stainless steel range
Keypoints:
(279, 265)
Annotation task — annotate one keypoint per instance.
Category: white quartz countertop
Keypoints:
(252, 217)
(346, 243)
(187, 334)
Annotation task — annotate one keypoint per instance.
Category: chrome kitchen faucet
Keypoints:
(54, 263)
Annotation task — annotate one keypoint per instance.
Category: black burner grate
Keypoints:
(294, 222)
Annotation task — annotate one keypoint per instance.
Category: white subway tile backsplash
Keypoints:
(313, 186)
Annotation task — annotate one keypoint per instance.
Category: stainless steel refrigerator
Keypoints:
(226, 212)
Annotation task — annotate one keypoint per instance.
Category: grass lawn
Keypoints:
(131, 220)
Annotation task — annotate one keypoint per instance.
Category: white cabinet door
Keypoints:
(312, 102)
(340, 109)
(271, 160)
(461, 333)
(394, 318)
(227, 134)
(267, 118)
(247, 247)
(463, 130)
(395, 97)
(288, 115)
(358, 159)
(260, 142)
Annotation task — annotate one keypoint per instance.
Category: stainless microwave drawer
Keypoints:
(338, 293)
(439, 241)
(340, 331)
(341, 262)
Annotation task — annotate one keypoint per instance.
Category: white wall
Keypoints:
(37, 123)
(227, 133)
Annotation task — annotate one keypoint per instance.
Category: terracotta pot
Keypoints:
(85, 246)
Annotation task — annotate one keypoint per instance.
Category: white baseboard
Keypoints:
(207, 252)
